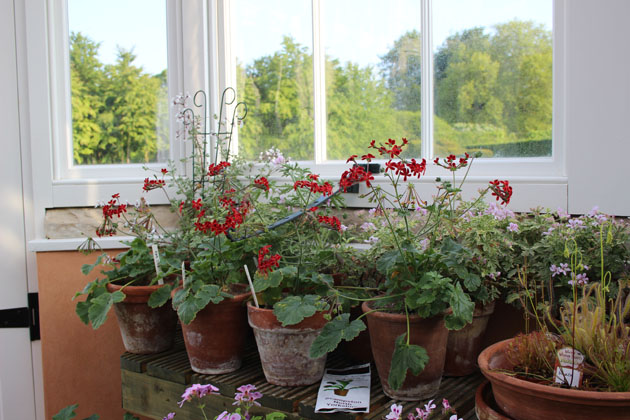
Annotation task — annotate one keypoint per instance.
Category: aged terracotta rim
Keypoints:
(397, 317)
(575, 396)
(482, 405)
(240, 297)
(264, 318)
(134, 294)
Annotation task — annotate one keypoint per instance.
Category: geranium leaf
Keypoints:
(82, 309)
(333, 332)
(66, 413)
(206, 294)
(187, 310)
(293, 309)
(99, 307)
(160, 296)
(406, 357)
(462, 308)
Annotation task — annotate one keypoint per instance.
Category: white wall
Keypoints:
(598, 105)
(17, 395)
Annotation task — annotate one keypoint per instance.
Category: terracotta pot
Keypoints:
(215, 339)
(284, 350)
(429, 333)
(464, 345)
(341, 392)
(524, 400)
(144, 330)
(485, 407)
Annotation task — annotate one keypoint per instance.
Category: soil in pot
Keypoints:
(284, 351)
(464, 345)
(215, 339)
(525, 400)
(429, 333)
(144, 330)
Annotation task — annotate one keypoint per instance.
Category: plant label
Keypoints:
(569, 367)
(345, 390)
(156, 261)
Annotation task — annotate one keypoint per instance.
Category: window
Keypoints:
(464, 75)
(321, 79)
(118, 82)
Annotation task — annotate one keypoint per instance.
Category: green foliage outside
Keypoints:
(119, 112)
(493, 93)
(492, 89)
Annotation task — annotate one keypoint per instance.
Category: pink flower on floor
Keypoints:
(169, 416)
(197, 390)
(395, 412)
(247, 395)
(229, 416)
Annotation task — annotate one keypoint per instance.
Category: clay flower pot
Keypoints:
(429, 333)
(524, 400)
(464, 345)
(144, 330)
(284, 351)
(485, 407)
(215, 339)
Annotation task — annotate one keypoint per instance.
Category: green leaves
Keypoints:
(406, 357)
(274, 279)
(100, 306)
(462, 308)
(160, 296)
(67, 413)
(188, 302)
(333, 332)
(294, 309)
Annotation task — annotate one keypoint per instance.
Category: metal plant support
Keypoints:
(196, 128)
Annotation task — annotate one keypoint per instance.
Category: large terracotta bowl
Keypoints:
(524, 400)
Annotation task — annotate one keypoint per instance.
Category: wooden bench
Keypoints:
(153, 384)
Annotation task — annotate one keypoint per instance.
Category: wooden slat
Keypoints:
(154, 383)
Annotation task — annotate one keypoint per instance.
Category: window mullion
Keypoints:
(426, 82)
(319, 83)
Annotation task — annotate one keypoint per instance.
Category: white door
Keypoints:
(17, 399)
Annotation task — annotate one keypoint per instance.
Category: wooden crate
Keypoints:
(152, 385)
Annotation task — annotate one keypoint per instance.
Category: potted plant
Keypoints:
(133, 284)
(477, 248)
(297, 293)
(219, 212)
(408, 323)
(211, 205)
(531, 375)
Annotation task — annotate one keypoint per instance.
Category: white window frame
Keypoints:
(538, 181)
(200, 53)
(62, 183)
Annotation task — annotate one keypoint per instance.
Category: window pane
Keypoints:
(493, 77)
(372, 74)
(274, 61)
(120, 110)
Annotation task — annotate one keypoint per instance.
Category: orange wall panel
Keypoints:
(80, 365)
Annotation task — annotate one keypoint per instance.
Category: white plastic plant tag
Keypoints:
(345, 390)
(183, 273)
(156, 261)
(569, 367)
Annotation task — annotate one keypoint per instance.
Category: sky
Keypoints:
(352, 31)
